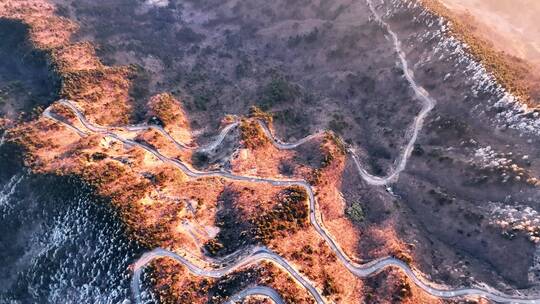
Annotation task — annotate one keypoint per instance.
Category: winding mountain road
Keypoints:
(428, 104)
(257, 291)
(261, 253)
(359, 270)
(253, 256)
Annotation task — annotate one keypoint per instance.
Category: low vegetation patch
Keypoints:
(332, 147)
(403, 291)
(166, 108)
(253, 136)
(289, 215)
(278, 91)
(330, 286)
(355, 212)
(256, 112)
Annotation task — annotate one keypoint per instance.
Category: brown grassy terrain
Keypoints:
(511, 25)
(519, 75)
(172, 116)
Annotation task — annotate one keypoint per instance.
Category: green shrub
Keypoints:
(278, 91)
(355, 212)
